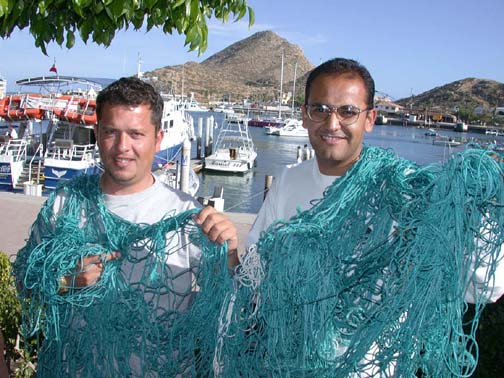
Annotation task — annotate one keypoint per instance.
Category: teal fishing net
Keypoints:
(134, 321)
(371, 282)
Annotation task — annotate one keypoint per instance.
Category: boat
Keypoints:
(234, 149)
(492, 132)
(445, 141)
(461, 127)
(18, 157)
(266, 122)
(381, 120)
(237, 118)
(222, 108)
(21, 107)
(293, 128)
(192, 105)
(177, 126)
(431, 132)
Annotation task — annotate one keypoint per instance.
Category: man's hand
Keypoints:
(89, 270)
(219, 229)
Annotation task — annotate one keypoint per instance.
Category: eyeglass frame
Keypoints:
(334, 109)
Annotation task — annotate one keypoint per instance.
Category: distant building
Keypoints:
(388, 107)
(3, 87)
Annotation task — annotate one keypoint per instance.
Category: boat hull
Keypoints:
(58, 171)
(232, 166)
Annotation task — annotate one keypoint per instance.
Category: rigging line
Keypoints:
(245, 200)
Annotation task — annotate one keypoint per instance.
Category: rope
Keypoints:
(370, 282)
(136, 320)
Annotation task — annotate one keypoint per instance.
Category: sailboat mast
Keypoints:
(139, 66)
(294, 89)
(281, 89)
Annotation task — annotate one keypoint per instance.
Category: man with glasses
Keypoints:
(338, 110)
(360, 263)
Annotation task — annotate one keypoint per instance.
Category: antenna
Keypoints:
(139, 66)
(281, 88)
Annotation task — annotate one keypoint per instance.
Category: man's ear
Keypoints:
(304, 116)
(370, 120)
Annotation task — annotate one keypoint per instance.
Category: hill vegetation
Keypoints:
(466, 93)
(251, 69)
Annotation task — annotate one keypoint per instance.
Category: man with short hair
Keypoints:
(338, 111)
(114, 262)
(359, 262)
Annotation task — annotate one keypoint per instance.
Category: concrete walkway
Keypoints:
(19, 211)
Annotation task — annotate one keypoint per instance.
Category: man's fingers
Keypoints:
(111, 256)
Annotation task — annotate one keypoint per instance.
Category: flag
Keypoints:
(53, 68)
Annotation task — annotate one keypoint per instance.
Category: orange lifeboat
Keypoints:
(14, 110)
(87, 112)
(61, 105)
(22, 107)
(67, 109)
(4, 107)
(33, 107)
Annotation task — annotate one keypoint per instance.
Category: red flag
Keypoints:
(53, 69)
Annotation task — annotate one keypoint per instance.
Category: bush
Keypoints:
(10, 316)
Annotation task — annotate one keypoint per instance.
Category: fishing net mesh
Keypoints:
(134, 321)
(370, 282)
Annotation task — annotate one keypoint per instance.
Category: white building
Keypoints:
(388, 107)
(3, 87)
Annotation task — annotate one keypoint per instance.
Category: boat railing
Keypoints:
(65, 149)
(39, 153)
(15, 150)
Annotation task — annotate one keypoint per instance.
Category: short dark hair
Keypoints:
(131, 91)
(341, 66)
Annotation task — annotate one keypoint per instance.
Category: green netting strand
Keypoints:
(371, 281)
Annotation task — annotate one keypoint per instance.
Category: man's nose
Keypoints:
(333, 122)
(123, 142)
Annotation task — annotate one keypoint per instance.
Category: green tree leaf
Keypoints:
(50, 20)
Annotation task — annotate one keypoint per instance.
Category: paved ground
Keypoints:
(18, 212)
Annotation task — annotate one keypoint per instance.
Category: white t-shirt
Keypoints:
(12, 134)
(298, 186)
(149, 207)
(302, 184)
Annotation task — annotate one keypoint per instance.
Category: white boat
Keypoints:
(293, 128)
(461, 126)
(492, 132)
(234, 149)
(191, 105)
(431, 132)
(222, 108)
(446, 141)
(177, 126)
(237, 118)
(70, 151)
(13, 155)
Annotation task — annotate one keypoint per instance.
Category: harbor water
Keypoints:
(244, 192)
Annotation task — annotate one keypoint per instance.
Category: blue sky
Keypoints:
(408, 46)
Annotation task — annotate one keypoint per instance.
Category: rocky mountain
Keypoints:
(467, 93)
(249, 68)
